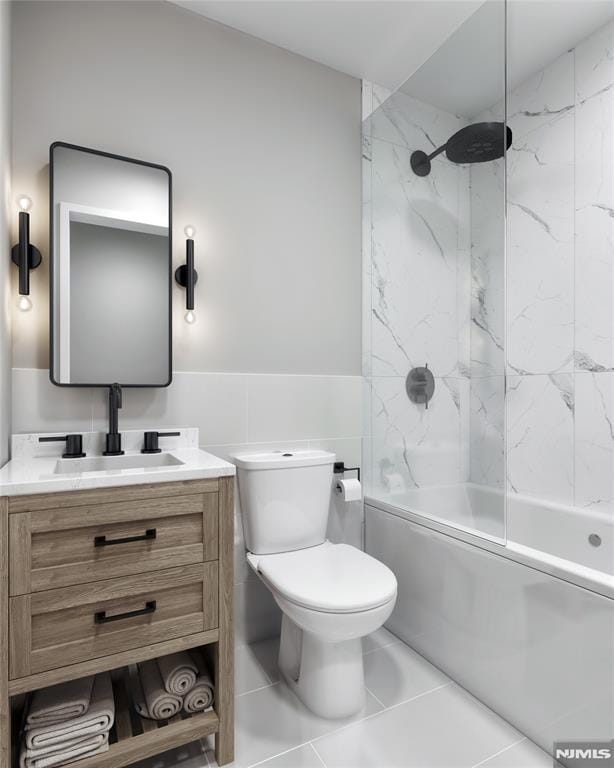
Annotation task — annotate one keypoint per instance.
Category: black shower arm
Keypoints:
(437, 151)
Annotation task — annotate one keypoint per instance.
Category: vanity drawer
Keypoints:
(56, 548)
(65, 626)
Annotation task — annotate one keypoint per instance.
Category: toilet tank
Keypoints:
(284, 498)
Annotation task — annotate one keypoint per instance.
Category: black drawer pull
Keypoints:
(101, 541)
(102, 618)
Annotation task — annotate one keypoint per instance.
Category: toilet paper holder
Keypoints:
(339, 468)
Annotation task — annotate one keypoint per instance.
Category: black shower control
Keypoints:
(74, 445)
(150, 441)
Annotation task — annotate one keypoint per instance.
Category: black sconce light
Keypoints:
(186, 276)
(24, 254)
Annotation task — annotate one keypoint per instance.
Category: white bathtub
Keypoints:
(569, 542)
(529, 633)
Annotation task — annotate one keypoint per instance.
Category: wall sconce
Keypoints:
(186, 276)
(24, 254)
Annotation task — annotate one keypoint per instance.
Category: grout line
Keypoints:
(500, 752)
(279, 754)
(319, 756)
(260, 688)
(381, 712)
(396, 641)
(379, 701)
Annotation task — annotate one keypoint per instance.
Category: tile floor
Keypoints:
(415, 717)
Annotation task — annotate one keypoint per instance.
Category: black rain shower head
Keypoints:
(477, 143)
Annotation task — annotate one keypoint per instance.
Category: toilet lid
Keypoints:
(336, 578)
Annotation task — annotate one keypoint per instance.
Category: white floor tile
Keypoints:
(272, 720)
(378, 639)
(523, 755)
(396, 673)
(446, 728)
(249, 672)
(303, 757)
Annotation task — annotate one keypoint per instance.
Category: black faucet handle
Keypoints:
(150, 441)
(74, 445)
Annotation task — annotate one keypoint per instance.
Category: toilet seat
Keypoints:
(332, 578)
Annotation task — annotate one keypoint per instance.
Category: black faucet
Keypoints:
(114, 438)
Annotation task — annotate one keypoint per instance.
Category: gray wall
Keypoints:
(6, 211)
(265, 150)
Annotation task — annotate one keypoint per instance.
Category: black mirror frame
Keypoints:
(166, 170)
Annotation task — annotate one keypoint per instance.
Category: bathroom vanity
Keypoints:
(102, 569)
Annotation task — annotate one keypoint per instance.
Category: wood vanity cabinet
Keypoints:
(161, 555)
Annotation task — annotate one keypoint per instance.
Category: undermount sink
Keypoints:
(116, 463)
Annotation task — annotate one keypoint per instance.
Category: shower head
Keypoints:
(477, 143)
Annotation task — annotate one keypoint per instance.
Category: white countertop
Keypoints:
(33, 468)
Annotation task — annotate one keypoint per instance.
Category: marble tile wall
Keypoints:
(560, 279)
(232, 412)
(442, 290)
(417, 289)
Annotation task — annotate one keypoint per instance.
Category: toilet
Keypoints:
(331, 595)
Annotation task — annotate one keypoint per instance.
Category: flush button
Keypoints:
(594, 540)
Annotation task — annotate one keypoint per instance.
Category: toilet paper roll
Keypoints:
(349, 490)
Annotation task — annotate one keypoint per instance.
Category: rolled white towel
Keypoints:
(67, 753)
(152, 700)
(178, 672)
(98, 719)
(60, 702)
(201, 696)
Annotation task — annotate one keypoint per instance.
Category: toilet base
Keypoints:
(328, 677)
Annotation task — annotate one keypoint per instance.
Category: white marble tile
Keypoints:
(594, 63)
(594, 211)
(431, 730)
(487, 310)
(411, 123)
(540, 267)
(540, 436)
(543, 97)
(594, 441)
(487, 431)
(303, 407)
(421, 446)
(415, 255)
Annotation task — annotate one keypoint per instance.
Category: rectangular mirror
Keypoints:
(110, 244)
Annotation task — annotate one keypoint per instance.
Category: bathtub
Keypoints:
(571, 543)
(528, 632)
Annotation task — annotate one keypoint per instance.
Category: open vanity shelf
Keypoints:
(54, 580)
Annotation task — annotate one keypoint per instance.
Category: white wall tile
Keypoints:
(540, 436)
(487, 431)
(540, 267)
(303, 407)
(414, 269)
(594, 202)
(40, 406)
(216, 403)
(543, 97)
(420, 445)
(594, 441)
